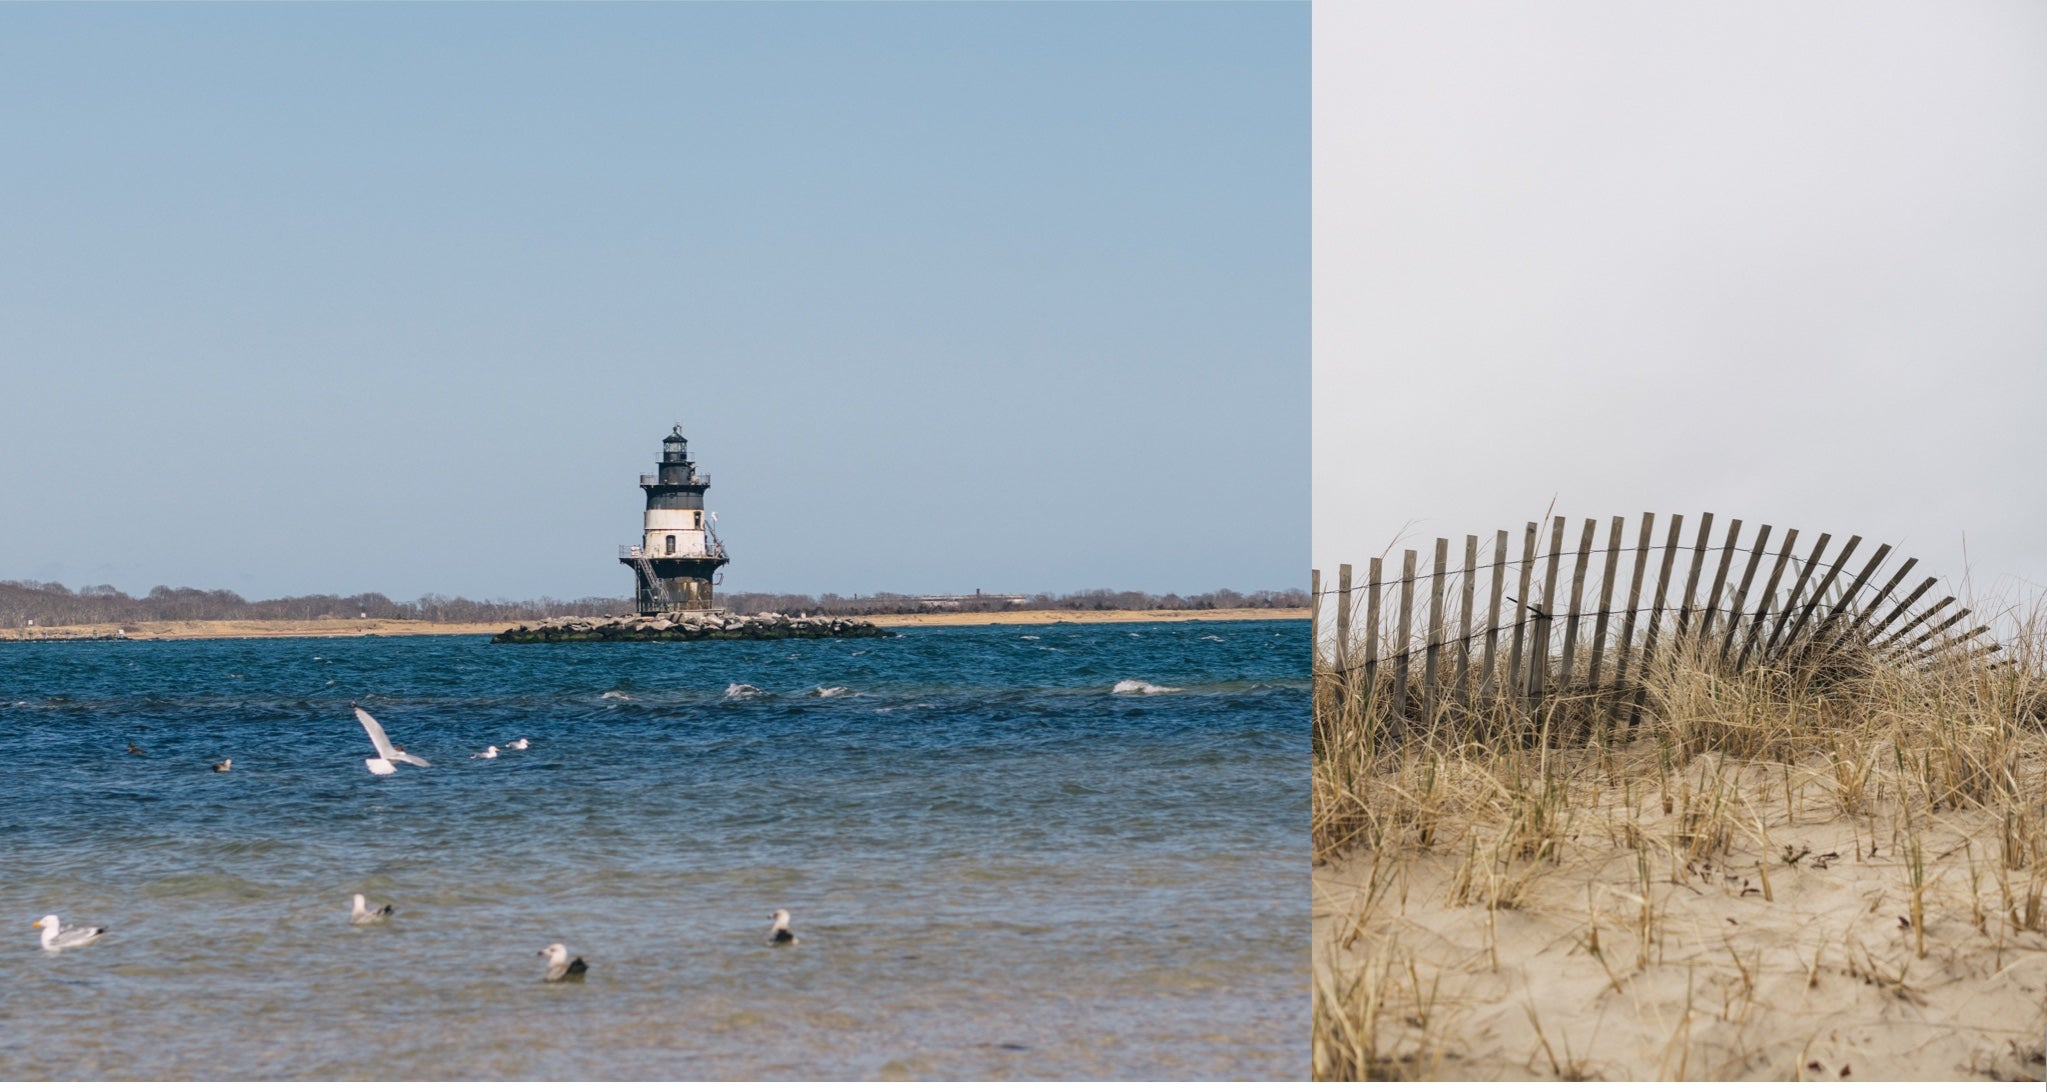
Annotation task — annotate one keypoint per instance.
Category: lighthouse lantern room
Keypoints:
(674, 565)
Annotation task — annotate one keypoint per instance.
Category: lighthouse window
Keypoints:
(671, 544)
(697, 518)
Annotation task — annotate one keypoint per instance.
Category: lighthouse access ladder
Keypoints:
(656, 594)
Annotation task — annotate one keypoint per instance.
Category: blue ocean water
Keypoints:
(1001, 862)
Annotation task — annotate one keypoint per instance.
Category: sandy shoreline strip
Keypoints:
(387, 627)
(1099, 617)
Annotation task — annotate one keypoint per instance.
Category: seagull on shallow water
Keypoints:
(363, 915)
(487, 752)
(519, 744)
(779, 933)
(560, 968)
(223, 765)
(386, 754)
(56, 938)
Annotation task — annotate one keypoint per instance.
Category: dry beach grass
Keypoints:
(1833, 868)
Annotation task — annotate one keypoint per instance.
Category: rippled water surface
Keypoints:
(1001, 863)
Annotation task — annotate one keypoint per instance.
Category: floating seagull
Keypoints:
(363, 915)
(133, 749)
(487, 752)
(519, 744)
(56, 938)
(560, 968)
(224, 765)
(779, 933)
(386, 754)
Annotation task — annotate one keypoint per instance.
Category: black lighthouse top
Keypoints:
(675, 469)
(674, 482)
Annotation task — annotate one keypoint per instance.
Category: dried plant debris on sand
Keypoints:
(1821, 869)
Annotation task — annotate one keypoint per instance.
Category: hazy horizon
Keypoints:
(878, 593)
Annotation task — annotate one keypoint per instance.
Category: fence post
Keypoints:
(1371, 629)
(1432, 653)
(1805, 571)
(1903, 605)
(1343, 620)
(1755, 626)
(1406, 633)
(1684, 611)
(1748, 573)
(1516, 681)
(1827, 581)
(1466, 588)
(1644, 540)
(1711, 607)
(1613, 560)
(1848, 597)
(1670, 548)
(1861, 619)
(1577, 601)
(1492, 618)
(1538, 660)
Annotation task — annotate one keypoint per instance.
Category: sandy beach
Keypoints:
(385, 627)
(1102, 617)
(1783, 940)
(1830, 871)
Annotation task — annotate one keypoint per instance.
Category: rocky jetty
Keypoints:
(766, 626)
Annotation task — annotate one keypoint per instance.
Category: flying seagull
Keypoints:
(56, 938)
(363, 915)
(223, 765)
(779, 933)
(386, 754)
(560, 968)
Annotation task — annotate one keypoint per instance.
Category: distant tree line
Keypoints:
(1093, 599)
(22, 601)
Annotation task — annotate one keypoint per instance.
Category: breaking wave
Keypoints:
(1139, 686)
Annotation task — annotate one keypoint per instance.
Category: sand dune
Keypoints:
(1743, 941)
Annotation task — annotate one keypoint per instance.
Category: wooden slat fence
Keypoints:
(1588, 647)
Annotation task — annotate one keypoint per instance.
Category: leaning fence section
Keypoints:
(1572, 612)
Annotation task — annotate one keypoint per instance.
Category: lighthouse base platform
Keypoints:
(685, 626)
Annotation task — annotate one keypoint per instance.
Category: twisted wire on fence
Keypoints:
(1775, 629)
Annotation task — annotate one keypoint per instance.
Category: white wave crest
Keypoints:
(1139, 686)
(831, 691)
(743, 690)
(616, 695)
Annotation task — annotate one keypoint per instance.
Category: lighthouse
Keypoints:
(678, 554)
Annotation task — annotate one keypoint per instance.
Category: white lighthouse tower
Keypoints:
(675, 564)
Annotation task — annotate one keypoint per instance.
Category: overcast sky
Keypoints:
(1782, 262)
(340, 298)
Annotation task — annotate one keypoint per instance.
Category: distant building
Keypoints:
(675, 564)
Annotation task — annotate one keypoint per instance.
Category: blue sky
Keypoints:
(402, 298)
